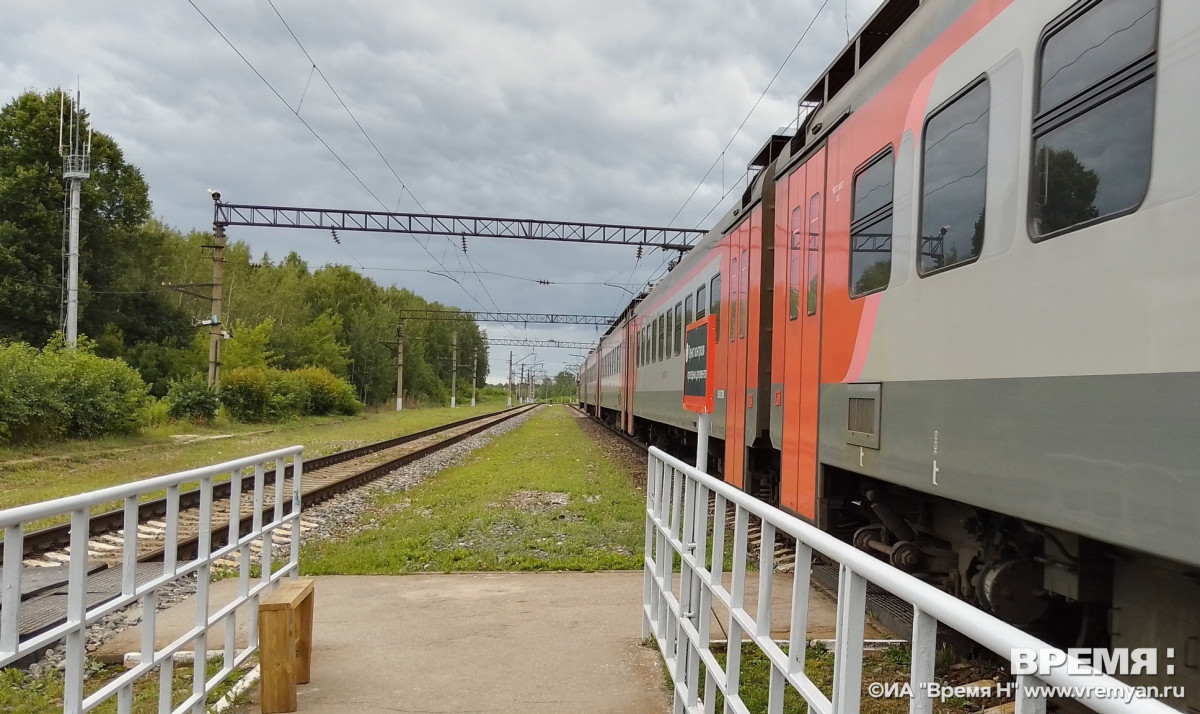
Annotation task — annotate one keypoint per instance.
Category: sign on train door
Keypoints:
(699, 365)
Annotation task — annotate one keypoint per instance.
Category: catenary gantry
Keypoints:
(337, 219)
(508, 317)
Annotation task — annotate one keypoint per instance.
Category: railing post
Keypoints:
(1026, 702)
(203, 577)
(847, 654)
(801, 587)
(171, 537)
(10, 599)
(688, 663)
(129, 547)
(921, 661)
(648, 556)
(737, 601)
(297, 477)
(76, 611)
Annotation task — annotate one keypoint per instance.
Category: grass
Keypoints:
(889, 665)
(541, 497)
(41, 473)
(24, 694)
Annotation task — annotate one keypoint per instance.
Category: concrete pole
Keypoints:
(521, 389)
(702, 443)
(474, 373)
(214, 331)
(510, 378)
(454, 371)
(400, 366)
(73, 267)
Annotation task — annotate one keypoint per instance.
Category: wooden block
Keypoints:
(277, 659)
(285, 618)
(1006, 708)
(287, 596)
(304, 624)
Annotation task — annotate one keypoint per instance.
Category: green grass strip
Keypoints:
(541, 497)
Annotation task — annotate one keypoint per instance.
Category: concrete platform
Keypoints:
(503, 642)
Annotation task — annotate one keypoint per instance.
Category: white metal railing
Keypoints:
(79, 616)
(679, 529)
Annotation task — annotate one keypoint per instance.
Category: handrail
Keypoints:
(677, 519)
(135, 588)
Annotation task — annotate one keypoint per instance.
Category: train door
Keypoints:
(806, 245)
(629, 372)
(789, 338)
(735, 336)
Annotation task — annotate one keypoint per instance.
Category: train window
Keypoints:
(678, 328)
(871, 226)
(954, 184)
(662, 338)
(714, 304)
(700, 302)
(670, 332)
(795, 246)
(688, 313)
(1093, 131)
(744, 284)
(814, 250)
(733, 299)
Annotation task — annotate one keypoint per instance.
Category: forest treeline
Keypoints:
(143, 284)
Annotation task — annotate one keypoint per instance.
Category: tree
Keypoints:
(116, 254)
(1069, 190)
(875, 276)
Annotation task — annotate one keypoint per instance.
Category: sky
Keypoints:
(610, 112)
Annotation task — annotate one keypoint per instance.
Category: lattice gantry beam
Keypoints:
(505, 342)
(232, 214)
(508, 317)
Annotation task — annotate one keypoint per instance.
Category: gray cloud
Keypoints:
(587, 112)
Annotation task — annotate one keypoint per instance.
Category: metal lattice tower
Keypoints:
(77, 166)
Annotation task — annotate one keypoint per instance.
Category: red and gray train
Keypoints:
(959, 315)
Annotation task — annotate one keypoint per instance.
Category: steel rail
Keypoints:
(186, 547)
(109, 521)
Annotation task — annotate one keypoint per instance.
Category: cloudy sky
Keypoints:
(602, 111)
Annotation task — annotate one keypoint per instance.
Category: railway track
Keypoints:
(323, 478)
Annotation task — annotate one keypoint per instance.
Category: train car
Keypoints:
(588, 387)
(960, 314)
(616, 380)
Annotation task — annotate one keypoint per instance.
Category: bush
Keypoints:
(56, 393)
(193, 399)
(246, 394)
(157, 412)
(254, 394)
(289, 395)
(327, 393)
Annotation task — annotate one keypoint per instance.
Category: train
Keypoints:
(958, 316)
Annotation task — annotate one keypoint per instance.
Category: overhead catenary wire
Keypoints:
(750, 113)
(403, 186)
(656, 274)
(314, 132)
